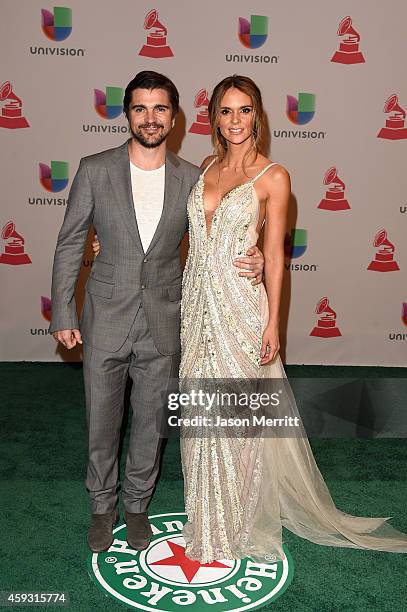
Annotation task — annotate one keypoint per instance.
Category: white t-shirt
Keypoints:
(148, 197)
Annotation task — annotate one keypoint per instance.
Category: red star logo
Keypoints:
(188, 566)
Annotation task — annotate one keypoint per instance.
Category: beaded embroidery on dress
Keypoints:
(240, 492)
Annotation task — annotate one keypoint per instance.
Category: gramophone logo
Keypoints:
(201, 125)
(156, 45)
(384, 257)
(395, 123)
(109, 105)
(46, 308)
(253, 34)
(326, 325)
(335, 194)
(57, 26)
(295, 244)
(11, 116)
(56, 177)
(301, 110)
(349, 45)
(13, 254)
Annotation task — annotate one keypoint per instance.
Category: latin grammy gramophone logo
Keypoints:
(384, 257)
(156, 45)
(201, 125)
(326, 325)
(11, 116)
(348, 52)
(301, 110)
(335, 194)
(14, 253)
(109, 104)
(395, 123)
(57, 26)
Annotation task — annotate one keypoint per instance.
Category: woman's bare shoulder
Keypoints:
(207, 161)
(277, 172)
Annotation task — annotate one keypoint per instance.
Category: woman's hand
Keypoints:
(95, 246)
(270, 344)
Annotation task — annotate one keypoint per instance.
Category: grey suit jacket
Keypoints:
(123, 276)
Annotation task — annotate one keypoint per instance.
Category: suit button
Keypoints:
(145, 260)
(143, 286)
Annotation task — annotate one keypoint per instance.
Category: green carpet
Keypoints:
(44, 505)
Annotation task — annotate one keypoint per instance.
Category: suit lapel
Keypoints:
(173, 181)
(119, 174)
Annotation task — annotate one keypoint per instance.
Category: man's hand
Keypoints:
(95, 246)
(68, 337)
(254, 262)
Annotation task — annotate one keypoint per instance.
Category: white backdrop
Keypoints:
(54, 81)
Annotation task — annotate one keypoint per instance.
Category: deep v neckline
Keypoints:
(223, 198)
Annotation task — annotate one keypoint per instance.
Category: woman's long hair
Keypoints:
(249, 87)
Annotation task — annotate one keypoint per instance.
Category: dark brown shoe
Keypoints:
(100, 534)
(139, 530)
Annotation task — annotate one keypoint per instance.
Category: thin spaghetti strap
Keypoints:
(208, 166)
(263, 171)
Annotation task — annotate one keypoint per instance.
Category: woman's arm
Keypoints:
(279, 189)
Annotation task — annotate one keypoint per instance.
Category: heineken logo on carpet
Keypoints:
(162, 578)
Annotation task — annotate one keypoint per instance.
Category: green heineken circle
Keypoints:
(162, 578)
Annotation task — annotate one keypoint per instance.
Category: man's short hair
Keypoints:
(148, 79)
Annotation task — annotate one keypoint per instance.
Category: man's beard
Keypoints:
(150, 144)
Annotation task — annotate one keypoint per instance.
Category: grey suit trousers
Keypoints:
(105, 376)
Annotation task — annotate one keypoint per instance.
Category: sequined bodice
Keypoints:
(220, 311)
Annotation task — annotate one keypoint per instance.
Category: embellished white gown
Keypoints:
(241, 491)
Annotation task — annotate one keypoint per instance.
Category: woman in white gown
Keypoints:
(241, 490)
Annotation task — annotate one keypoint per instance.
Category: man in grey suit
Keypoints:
(135, 196)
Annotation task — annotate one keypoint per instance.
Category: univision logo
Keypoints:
(53, 178)
(46, 313)
(109, 105)
(56, 26)
(397, 335)
(300, 111)
(163, 578)
(252, 34)
(295, 246)
(46, 308)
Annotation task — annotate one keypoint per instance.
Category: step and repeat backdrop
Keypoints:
(333, 81)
